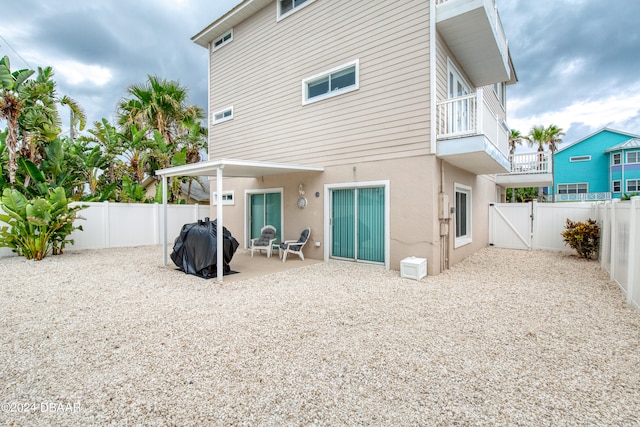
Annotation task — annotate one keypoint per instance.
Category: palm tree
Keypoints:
(550, 136)
(40, 122)
(11, 106)
(174, 130)
(158, 104)
(554, 136)
(515, 138)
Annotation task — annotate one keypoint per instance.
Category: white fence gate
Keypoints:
(534, 225)
(510, 225)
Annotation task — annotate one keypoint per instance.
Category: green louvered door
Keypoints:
(357, 224)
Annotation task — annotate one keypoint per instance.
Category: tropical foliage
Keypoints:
(584, 237)
(38, 226)
(42, 170)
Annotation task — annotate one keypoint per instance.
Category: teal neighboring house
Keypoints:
(601, 166)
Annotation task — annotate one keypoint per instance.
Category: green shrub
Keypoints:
(39, 226)
(584, 237)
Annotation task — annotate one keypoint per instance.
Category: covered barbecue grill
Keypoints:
(195, 249)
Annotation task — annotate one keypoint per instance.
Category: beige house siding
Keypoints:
(378, 133)
(413, 186)
(260, 74)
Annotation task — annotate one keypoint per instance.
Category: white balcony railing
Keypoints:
(530, 163)
(579, 197)
(471, 115)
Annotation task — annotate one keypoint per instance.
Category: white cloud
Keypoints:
(594, 114)
(569, 68)
(76, 73)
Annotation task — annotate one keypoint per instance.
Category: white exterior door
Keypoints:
(460, 114)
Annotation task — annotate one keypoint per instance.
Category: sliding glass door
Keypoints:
(265, 209)
(358, 224)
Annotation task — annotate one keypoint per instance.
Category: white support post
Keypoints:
(106, 226)
(164, 231)
(219, 226)
(633, 229)
(614, 238)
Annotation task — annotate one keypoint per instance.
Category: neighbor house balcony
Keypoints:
(527, 170)
(473, 31)
(471, 135)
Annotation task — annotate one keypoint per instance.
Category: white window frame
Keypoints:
(224, 42)
(280, 16)
(228, 198)
(615, 156)
(637, 183)
(613, 186)
(468, 237)
(222, 119)
(331, 93)
(500, 90)
(637, 156)
(574, 185)
(574, 159)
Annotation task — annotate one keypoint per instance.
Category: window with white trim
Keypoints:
(580, 158)
(501, 92)
(331, 83)
(633, 185)
(616, 186)
(633, 157)
(616, 159)
(463, 215)
(577, 188)
(223, 115)
(223, 40)
(287, 7)
(227, 198)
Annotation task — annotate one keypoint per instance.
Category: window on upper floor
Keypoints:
(223, 40)
(615, 186)
(615, 158)
(331, 83)
(577, 188)
(579, 158)
(500, 90)
(633, 157)
(223, 115)
(463, 215)
(287, 7)
(633, 185)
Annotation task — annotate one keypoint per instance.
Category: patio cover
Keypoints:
(223, 168)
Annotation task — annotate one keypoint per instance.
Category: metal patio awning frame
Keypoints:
(222, 168)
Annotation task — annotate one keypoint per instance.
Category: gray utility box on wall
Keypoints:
(413, 268)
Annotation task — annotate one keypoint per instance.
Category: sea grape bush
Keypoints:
(584, 237)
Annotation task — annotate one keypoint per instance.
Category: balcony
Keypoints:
(583, 197)
(527, 170)
(471, 135)
(472, 29)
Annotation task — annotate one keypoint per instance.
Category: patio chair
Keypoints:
(265, 241)
(295, 246)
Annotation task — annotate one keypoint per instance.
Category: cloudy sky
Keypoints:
(577, 60)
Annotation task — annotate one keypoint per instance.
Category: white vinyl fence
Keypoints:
(540, 225)
(619, 245)
(534, 225)
(114, 225)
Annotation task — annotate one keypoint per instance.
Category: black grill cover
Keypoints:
(195, 249)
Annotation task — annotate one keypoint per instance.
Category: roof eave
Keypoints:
(233, 17)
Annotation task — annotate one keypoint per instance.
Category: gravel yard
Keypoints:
(505, 338)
